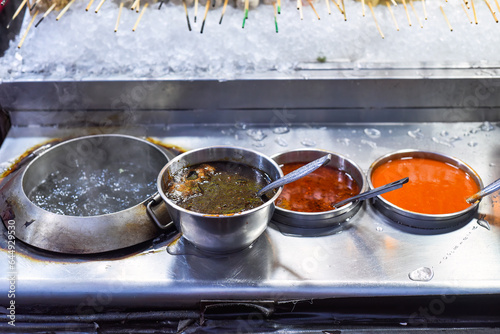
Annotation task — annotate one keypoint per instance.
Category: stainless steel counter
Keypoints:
(369, 256)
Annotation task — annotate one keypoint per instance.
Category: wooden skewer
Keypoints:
(187, 15)
(491, 10)
(32, 7)
(140, 16)
(17, 12)
(392, 15)
(375, 19)
(47, 12)
(328, 7)
(343, 10)
(363, 7)
(467, 4)
(275, 18)
(99, 6)
(223, 11)
(394, 3)
(279, 6)
(161, 4)
(338, 7)
(119, 15)
(407, 14)
(298, 4)
(247, 7)
(195, 10)
(138, 7)
(415, 12)
(466, 13)
(205, 16)
(446, 18)
(88, 6)
(134, 4)
(498, 6)
(65, 9)
(300, 10)
(474, 10)
(27, 29)
(314, 9)
(425, 10)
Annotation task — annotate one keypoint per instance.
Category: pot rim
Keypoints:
(429, 155)
(216, 216)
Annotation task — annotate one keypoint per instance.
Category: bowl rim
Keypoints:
(216, 216)
(429, 155)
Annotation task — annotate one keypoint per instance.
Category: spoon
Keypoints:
(296, 174)
(374, 192)
(491, 188)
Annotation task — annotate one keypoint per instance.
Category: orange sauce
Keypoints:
(435, 187)
(317, 191)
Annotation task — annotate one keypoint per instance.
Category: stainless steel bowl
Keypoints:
(326, 219)
(81, 234)
(220, 233)
(421, 220)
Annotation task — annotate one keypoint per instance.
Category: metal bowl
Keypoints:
(421, 220)
(81, 234)
(325, 219)
(220, 233)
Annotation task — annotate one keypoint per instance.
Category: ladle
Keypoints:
(296, 174)
(491, 188)
(374, 192)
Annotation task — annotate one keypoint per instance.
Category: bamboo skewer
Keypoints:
(161, 4)
(187, 15)
(425, 9)
(32, 7)
(205, 16)
(498, 6)
(415, 12)
(338, 7)
(407, 13)
(279, 7)
(446, 18)
(392, 15)
(138, 7)
(467, 4)
(119, 15)
(134, 5)
(88, 6)
(300, 10)
(195, 10)
(17, 12)
(474, 11)
(27, 29)
(47, 12)
(343, 10)
(314, 9)
(466, 13)
(65, 9)
(99, 6)
(394, 3)
(275, 17)
(223, 11)
(247, 7)
(491, 10)
(328, 7)
(375, 19)
(140, 16)
(363, 7)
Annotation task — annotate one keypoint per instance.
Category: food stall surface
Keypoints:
(366, 258)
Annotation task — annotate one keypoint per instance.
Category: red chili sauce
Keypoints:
(435, 187)
(317, 191)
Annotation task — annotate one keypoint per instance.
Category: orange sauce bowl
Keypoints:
(306, 203)
(434, 197)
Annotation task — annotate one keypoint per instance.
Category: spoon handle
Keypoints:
(374, 192)
(296, 174)
(485, 191)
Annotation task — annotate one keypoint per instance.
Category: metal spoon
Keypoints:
(374, 192)
(491, 188)
(296, 174)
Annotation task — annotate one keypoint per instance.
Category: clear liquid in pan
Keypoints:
(94, 192)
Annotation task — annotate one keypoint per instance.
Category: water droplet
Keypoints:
(442, 142)
(421, 274)
(227, 132)
(372, 133)
(472, 144)
(379, 229)
(241, 125)
(487, 126)
(343, 141)
(258, 144)
(369, 143)
(257, 135)
(484, 223)
(417, 134)
(281, 130)
(444, 133)
(492, 164)
(308, 142)
(281, 141)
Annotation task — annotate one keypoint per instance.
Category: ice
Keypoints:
(369, 143)
(281, 141)
(83, 45)
(372, 133)
(308, 142)
(256, 135)
(417, 134)
(487, 126)
(281, 130)
(421, 274)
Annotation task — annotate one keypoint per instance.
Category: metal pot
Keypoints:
(326, 219)
(220, 233)
(421, 220)
(82, 234)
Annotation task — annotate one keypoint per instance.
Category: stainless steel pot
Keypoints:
(421, 220)
(82, 234)
(220, 233)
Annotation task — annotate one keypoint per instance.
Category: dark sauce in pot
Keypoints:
(219, 187)
(317, 191)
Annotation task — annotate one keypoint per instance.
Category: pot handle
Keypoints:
(155, 200)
